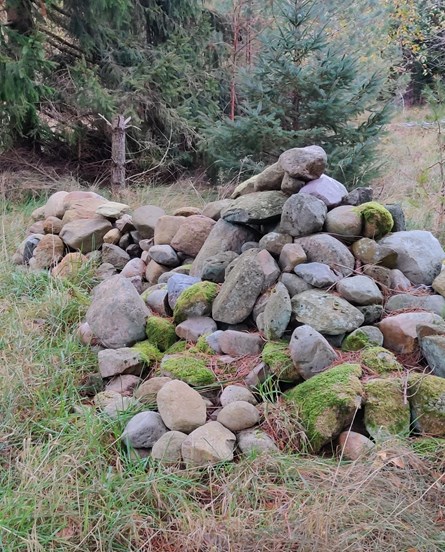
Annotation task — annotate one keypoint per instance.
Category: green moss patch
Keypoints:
(196, 300)
(188, 368)
(380, 360)
(386, 413)
(427, 399)
(178, 347)
(202, 346)
(150, 354)
(326, 403)
(160, 332)
(378, 220)
(276, 355)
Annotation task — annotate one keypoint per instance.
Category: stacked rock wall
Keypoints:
(292, 278)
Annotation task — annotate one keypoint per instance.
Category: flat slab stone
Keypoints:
(329, 190)
(255, 208)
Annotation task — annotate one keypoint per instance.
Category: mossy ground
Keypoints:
(386, 412)
(327, 402)
(276, 355)
(196, 300)
(160, 332)
(67, 484)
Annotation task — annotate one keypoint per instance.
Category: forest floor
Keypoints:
(66, 484)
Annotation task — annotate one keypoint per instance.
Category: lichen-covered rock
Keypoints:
(255, 208)
(238, 415)
(366, 336)
(310, 352)
(318, 275)
(240, 290)
(211, 444)
(214, 268)
(117, 314)
(323, 248)
(277, 312)
(326, 403)
(377, 220)
(196, 300)
(188, 368)
(419, 255)
(370, 252)
(181, 407)
(372, 313)
(430, 303)
(160, 332)
(302, 215)
(306, 163)
(386, 411)
(277, 356)
(360, 290)
(270, 178)
(427, 400)
(274, 242)
(325, 312)
(380, 360)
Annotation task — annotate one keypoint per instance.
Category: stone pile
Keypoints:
(320, 291)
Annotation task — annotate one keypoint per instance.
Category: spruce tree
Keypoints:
(305, 89)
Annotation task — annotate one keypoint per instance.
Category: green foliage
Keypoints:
(304, 90)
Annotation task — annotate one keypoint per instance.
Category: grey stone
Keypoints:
(143, 430)
(360, 290)
(112, 209)
(420, 255)
(148, 391)
(255, 208)
(125, 224)
(113, 362)
(326, 313)
(344, 221)
(292, 254)
(181, 407)
(134, 267)
(310, 352)
(398, 281)
(213, 210)
(125, 241)
(211, 443)
(26, 248)
(359, 196)
(370, 252)
(164, 254)
(318, 275)
(224, 236)
(193, 328)
(212, 341)
(214, 267)
(233, 393)
(192, 234)
(55, 207)
(117, 314)
(239, 292)
(145, 219)
(249, 245)
(398, 216)
(255, 440)
(303, 214)
(430, 303)
(168, 448)
(269, 267)
(294, 284)
(306, 163)
(290, 185)
(124, 384)
(238, 415)
(85, 234)
(273, 242)
(372, 313)
(257, 376)
(176, 285)
(433, 349)
(105, 271)
(329, 190)
(323, 248)
(114, 255)
(439, 283)
(238, 344)
(270, 178)
(354, 341)
(277, 312)
(245, 187)
(380, 274)
(156, 299)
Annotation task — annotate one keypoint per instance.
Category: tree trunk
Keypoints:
(118, 153)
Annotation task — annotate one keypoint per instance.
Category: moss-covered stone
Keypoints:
(201, 346)
(427, 400)
(386, 413)
(188, 368)
(380, 360)
(160, 332)
(196, 300)
(149, 353)
(178, 347)
(378, 220)
(327, 402)
(355, 341)
(277, 356)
